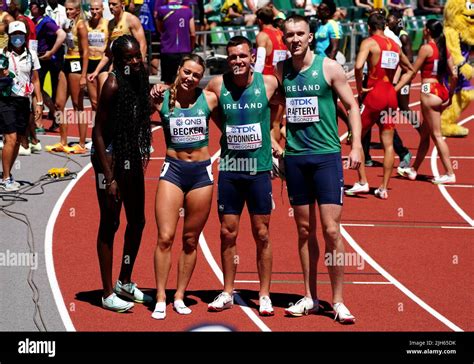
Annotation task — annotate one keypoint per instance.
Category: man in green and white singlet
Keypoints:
(313, 158)
(245, 165)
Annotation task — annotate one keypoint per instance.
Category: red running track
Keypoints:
(419, 242)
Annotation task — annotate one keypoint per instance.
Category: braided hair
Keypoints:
(132, 133)
(174, 86)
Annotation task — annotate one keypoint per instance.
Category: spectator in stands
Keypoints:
(232, 12)
(212, 11)
(399, 8)
(175, 22)
(364, 4)
(425, 7)
(133, 6)
(5, 19)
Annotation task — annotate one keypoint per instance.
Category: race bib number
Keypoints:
(187, 129)
(405, 90)
(75, 66)
(435, 67)
(302, 109)
(390, 60)
(278, 55)
(426, 88)
(96, 39)
(244, 137)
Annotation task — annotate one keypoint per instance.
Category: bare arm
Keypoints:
(84, 47)
(38, 95)
(337, 78)
(408, 69)
(138, 33)
(333, 47)
(406, 47)
(214, 86)
(192, 32)
(359, 66)
(107, 95)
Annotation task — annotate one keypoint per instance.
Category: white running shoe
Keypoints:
(181, 308)
(131, 291)
(381, 193)
(358, 188)
(304, 306)
(24, 151)
(9, 185)
(266, 308)
(342, 314)
(408, 172)
(444, 179)
(221, 302)
(35, 147)
(115, 303)
(160, 311)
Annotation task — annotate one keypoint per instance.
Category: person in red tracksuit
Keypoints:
(378, 99)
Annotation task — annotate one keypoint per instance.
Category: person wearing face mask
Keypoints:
(15, 109)
(121, 150)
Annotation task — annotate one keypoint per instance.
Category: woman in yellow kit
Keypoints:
(98, 35)
(75, 69)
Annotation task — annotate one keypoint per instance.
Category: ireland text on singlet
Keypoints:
(246, 123)
(310, 111)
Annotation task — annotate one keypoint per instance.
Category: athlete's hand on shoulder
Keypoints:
(355, 157)
(158, 90)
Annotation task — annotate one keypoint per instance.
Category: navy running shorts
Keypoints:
(315, 177)
(237, 188)
(187, 175)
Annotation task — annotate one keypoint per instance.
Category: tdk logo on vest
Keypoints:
(243, 129)
(301, 102)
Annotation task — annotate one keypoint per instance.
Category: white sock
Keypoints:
(160, 311)
(181, 308)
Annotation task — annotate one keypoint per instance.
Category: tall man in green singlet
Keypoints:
(245, 165)
(313, 159)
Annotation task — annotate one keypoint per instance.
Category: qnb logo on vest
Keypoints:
(252, 105)
(189, 121)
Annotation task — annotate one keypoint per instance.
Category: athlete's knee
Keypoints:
(304, 232)
(190, 242)
(331, 233)
(165, 240)
(136, 224)
(261, 235)
(228, 235)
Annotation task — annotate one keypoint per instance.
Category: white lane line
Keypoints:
(48, 248)
(367, 258)
(397, 284)
(459, 186)
(442, 188)
(410, 226)
(319, 282)
(220, 276)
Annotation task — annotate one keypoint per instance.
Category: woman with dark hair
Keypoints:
(19, 72)
(121, 150)
(186, 177)
(433, 62)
